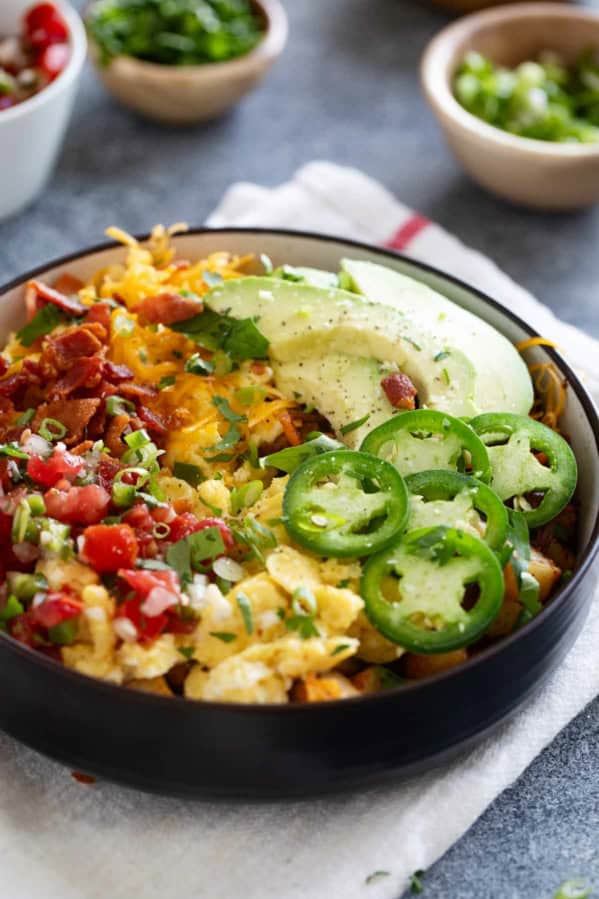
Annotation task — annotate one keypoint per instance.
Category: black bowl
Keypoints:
(214, 749)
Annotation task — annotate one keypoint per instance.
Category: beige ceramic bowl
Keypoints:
(184, 95)
(530, 172)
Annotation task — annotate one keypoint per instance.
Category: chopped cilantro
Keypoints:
(186, 651)
(45, 320)
(195, 365)
(188, 472)
(255, 536)
(239, 338)
(446, 377)
(442, 355)
(416, 882)
(346, 429)
(340, 648)
(376, 875)
(413, 343)
(232, 437)
(194, 549)
(304, 625)
(224, 636)
(225, 409)
(167, 381)
(245, 607)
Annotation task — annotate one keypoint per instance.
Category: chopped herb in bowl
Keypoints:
(544, 100)
(174, 32)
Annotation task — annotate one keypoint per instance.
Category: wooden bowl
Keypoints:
(185, 95)
(534, 173)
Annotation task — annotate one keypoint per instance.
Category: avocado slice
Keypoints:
(301, 321)
(345, 389)
(502, 380)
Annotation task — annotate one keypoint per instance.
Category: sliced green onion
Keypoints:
(353, 425)
(20, 521)
(25, 586)
(54, 537)
(303, 601)
(25, 417)
(137, 439)
(64, 633)
(223, 364)
(161, 530)
(117, 405)
(122, 325)
(51, 429)
(36, 504)
(245, 496)
(11, 609)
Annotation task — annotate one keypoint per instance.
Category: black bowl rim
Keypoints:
(425, 685)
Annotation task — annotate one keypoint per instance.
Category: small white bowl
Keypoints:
(185, 95)
(31, 133)
(535, 173)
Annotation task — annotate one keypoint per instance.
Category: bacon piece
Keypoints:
(114, 434)
(137, 391)
(116, 373)
(68, 284)
(100, 314)
(41, 292)
(75, 415)
(13, 383)
(152, 421)
(84, 372)
(399, 390)
(79, 340)
(3, 366)
(167, 308)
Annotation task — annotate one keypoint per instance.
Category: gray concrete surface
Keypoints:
(347, 90)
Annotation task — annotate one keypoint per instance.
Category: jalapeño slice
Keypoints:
(511, 442)
(415, 592)
(345, 503)
(449, 497)
(428, 439)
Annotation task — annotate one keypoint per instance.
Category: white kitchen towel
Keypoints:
(60, 839)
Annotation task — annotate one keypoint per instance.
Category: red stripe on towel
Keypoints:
(407, 232)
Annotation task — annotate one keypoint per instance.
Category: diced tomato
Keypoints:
(143, 581)
(108, 547)
(142, 522)
(22, 628)
(78, 505)
(107, 470)
(56, 608)
(186, 523)
(48, 472)
(147, 628)
(45, 26)
(53, 60)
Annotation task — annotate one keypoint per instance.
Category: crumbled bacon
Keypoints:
(153, 422)
(99, 313)
(114, 434)
(399, 390)
(3, 366)
(76, 341)
(68, 284)
(39, 294)
(167, 308)
(74, 414)
(85, 372)
(11, 385)
(137, 391)
(116, 373)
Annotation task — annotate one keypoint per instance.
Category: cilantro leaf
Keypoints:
(225, 409)
(245, 607)
(195, 365)
(188, 472)
(45, 320)
(239, 338)
(225, 636)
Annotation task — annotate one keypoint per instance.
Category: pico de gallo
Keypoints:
(176, 519)
(32, 59)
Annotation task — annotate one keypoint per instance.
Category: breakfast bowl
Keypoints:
(188, 94)
(273, 749)
(32, 131)
(536, 173)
